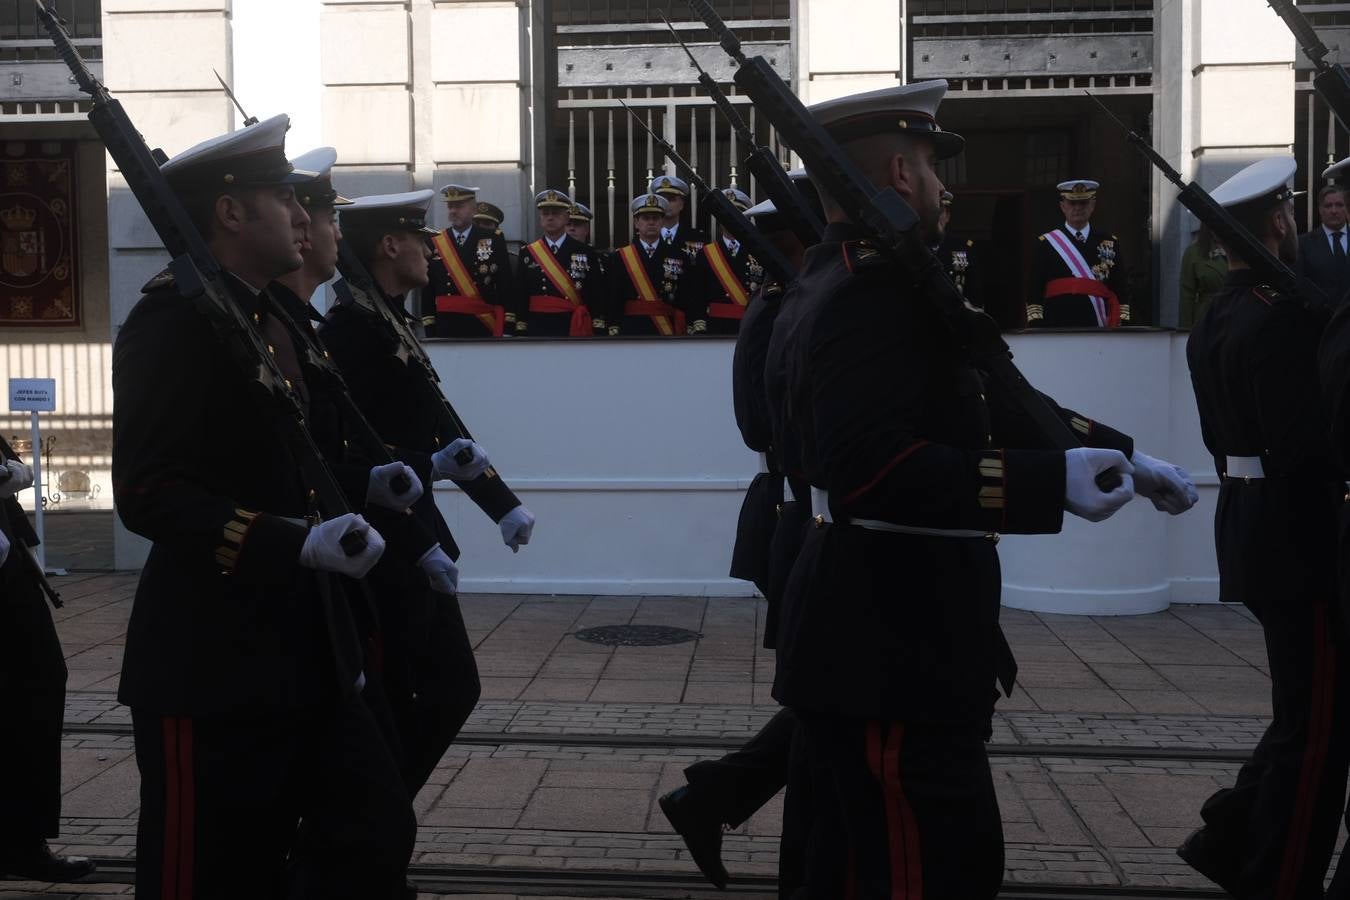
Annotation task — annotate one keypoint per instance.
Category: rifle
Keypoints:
(200, 280)
(761, 161)
(30, 558)
(364, 294)
(1221, 222)
(894, 223)
(1331, 80)
(732, 219)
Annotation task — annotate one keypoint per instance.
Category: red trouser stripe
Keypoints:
(902, 832)
(179, 810)
(1314, 759)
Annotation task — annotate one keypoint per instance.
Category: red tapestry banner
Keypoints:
(39, 260)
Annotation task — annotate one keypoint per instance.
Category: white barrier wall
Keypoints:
(628, 453)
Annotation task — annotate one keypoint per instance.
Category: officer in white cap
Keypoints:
(892, 627)
(469, 280)
(655, 282)
(579, 219)
(561, 290)
(684, 237)
(1077, 271)
(1264, 418)
(731, 276)
(241, 670)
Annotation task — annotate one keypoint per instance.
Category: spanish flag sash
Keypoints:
(726, 274)
(661, 313)
(466, 287)
(571, 298)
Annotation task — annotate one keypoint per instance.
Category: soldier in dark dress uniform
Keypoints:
(1253, 362)
(686, 238)
(489, 216)
(468, 295)
(431, 675)
(726, 792)
(889, 646)
(957, 256)
(1067, 260)
(658, 285)
(731, 276)
(604, 317)
(243, 666)
(561, 287)
(32, 696)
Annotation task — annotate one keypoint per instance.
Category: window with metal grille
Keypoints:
(23, 39)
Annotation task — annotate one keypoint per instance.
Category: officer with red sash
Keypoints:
(1077, 273)
(561, 288)
(654, 280)
(469, 279)
(688, 239)
(605, 318)
(731, 274)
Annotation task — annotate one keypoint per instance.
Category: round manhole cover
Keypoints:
(637, 635)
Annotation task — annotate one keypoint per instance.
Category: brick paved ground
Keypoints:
(1192, 679)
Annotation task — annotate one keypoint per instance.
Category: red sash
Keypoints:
(492, 317)
(573, 303)
(726, 311)
(726, 276)
(667, 319)
(1059, 287)
(580, 325)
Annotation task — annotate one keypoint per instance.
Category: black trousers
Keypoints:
(222, 799)
(895, 810)
(1276, 827)
(33, 699)
(429, 676)
(741, 782)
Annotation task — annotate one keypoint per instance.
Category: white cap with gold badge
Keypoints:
(1266, 179)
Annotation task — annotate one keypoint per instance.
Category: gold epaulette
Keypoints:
(162, 281)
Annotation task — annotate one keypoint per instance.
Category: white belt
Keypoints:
(763, 463)
(1245, 467)
(820, 508)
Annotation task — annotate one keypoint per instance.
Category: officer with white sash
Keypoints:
(1077, 273)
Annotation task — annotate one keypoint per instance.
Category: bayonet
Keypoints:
(248, 120)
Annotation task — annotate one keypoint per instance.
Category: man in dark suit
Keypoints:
(1322, 251)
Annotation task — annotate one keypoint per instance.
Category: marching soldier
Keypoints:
(733, 276)
(469, 281)
(1077, 274)
(432, 679)
(489, 216)
(33, 698)
(243, 666)
(726, 792)
(957, 256)
(890, 647)
(1253, 358)
(685, 238)
(655, 281)
(561, 287)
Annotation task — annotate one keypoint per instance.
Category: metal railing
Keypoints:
(34, 82)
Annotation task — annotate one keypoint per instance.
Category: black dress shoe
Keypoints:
(701, 829)
(1201, 853)
(37, 862)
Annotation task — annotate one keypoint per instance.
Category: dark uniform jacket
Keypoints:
(1333, 361)
(721, 317)
(581, 262)
(488, 262)
(1101, 252)
(403, 406)
(959, 261)
(1319, 264)
(676, 281)
(225, 621)
(893, 422)
(688, 240)
(1253, 362)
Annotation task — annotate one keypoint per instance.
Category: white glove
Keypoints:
(1168, 487)
(20, 478)
(517, 526)
(4, 548)
(1082, 496)
(323, 547)
(440, 570)
(443, 464)
(381, 491)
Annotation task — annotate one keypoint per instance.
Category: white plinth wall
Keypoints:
(628, 453)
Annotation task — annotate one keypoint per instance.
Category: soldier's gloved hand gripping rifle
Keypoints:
(1331, 80)
(29, 557)
(1221, 222)
(893, 223)
(200, 280)
(733, 220)
(761, 161)
(488, 490)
